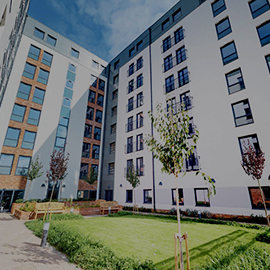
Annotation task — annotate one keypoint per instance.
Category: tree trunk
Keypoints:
(265, 209)
(50, 200)
(28, 190)
(60, 193)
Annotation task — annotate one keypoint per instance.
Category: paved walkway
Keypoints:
(20, 249)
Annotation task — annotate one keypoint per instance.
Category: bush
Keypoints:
(264, 237)
(68, 216)
(121, 214)
(19, 201)
(85, 252)
(28, 207)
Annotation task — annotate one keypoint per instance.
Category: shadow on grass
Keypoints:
(205, 249)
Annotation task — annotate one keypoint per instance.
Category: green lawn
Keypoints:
(152, 238)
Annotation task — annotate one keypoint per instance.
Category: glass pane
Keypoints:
(71, 76)
(34, 52)
(72, 68)
(65, 112)
(43, 76)
(60, 142)
(38, 96)
(51, 40)
(47, 59)
(38, 33)
(68, 93)
(61, 131)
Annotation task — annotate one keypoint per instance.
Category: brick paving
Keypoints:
(20, 249)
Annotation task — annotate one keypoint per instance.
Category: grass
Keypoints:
(152, 238)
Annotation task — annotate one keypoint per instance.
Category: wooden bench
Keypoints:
(42, 208)
(104, 206)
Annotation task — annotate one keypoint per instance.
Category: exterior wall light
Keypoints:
(160, 183)
(43, 185)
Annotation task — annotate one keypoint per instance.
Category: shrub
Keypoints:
(85, 252)
(68, 216)
(172, 211)
(19, 201)
(206, 214)
(264, 237)
(120, 214)
(28, 207)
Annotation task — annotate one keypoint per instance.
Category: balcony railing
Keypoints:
(138, 103)
(176, 83)
(129, 148)
(191, 130)
(192, 163)
(186, 104)
(140, 170)
(174, 61)
(134, 68)
(134, 85)
(174, 40)
(134, 125)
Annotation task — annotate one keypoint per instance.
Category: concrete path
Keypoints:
(20, 249)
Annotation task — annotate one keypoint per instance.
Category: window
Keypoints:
(218, 6)
(139, 63)
(201, 197)
(178, 35)
(139, 120)
(177, 14)
(130, 104)
(69, 84)
(43, 76)
(116, 64)
(165, 24)
(166, 44)
(235, 81)
(84, 170)
(12, 137)
(90, 113)
(131, 51)
(92, 96)
(147, 196)
(140, 166)
(183, 77)
(86, 150)
(6, 162)
(18, 113)
(139, 45)
(97, 133)
(192, 162)
(111, 168)
(98, 116)
(10, 6)
(61, 131)
(228, 53)
(95, 64)
(128, 196)
(72, 68)
(100, 100)
(130, 86)
(51, 40)
(130, 124)
(34, 52)
(95, 153)
(168, 64)
(113, 129)
(74, 53)
(29, 140)
(65, 112)
(131, 69)
(114, 111)
(258, 7)
(63, 121)
(139, 80)
(252, 139)
(169, 84)
(256, 198)
(29, 71)
(66, 102)
(140, 99)
(191, 129)
(223, 28)
(112, 148)
(139, 142)
(129, 164)
(129, 145)
(39, 33)
(24, 91)
(181, 55)
(87, 131)
(186, 100)
(242, 113)
(114, 94)
(94, 81)
(101, 85)
(68, 93)
(171, 105)
(180, 194)
(264, 33)
(95, 167)
(115, 79)
(33, 117)
(38, 96)
(47, 59)
(22, 165)
(267, 58)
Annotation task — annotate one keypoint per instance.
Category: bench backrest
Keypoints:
(53, 206)
(108, 204)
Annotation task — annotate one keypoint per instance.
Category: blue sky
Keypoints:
(104, 27)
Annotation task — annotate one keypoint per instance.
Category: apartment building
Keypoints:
(53, 100)
(214, 57)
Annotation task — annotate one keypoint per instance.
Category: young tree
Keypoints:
(253, 165)
(133, 177)
(92, 178)
(33, 172)
(174, 147)
(57, 171)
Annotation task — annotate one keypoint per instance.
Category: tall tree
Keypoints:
(57, 171)
(174, 146)
(253, 165)
(33, 172)
(133, 177)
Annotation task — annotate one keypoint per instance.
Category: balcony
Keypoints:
(177, 37)
(134, 85)
(174, 61)
(176, 83)
(137, 123)
(138, 103)
(140, 171)
(132, 69)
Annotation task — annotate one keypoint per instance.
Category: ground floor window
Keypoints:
(87, 194)
(147, 196)
(7, 197)
(181, 196)
(201, 197)
(256, 198)
(129, 196)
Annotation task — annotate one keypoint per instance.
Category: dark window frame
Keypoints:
(199, 203)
